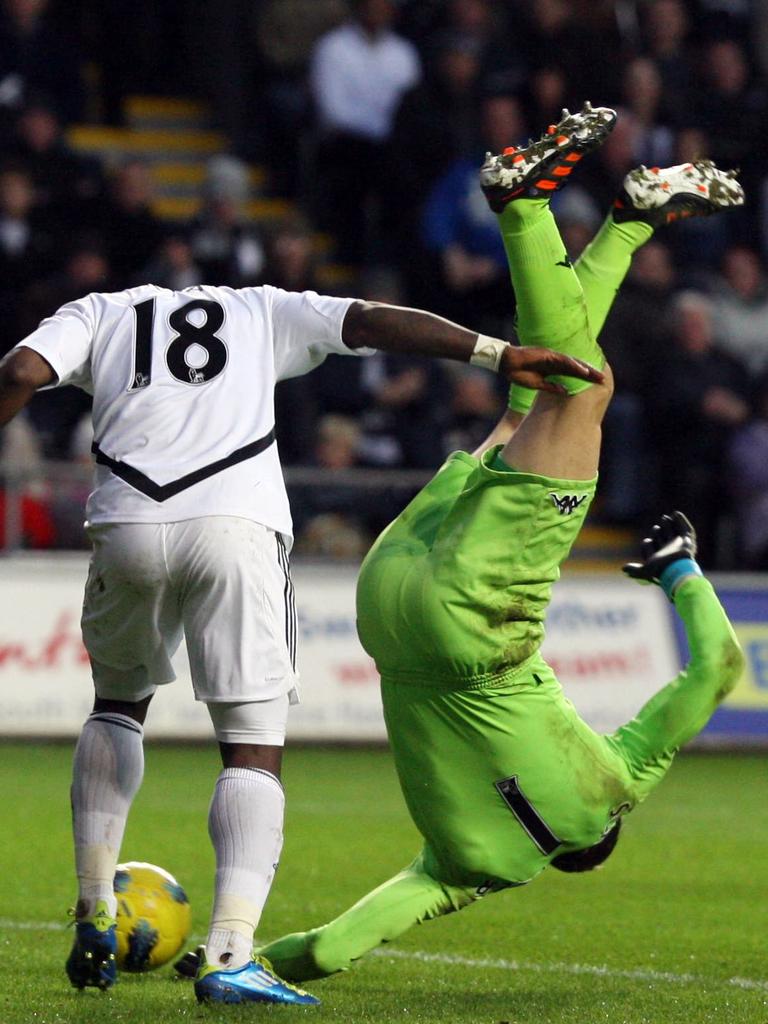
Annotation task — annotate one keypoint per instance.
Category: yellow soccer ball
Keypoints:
(153, 916)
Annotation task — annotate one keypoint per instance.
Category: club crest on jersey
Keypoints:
(567, 503)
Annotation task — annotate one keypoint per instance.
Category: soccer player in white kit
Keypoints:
(191, 530)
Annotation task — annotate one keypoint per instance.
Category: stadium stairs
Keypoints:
(173, 135)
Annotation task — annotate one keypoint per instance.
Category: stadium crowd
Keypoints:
(371, 117)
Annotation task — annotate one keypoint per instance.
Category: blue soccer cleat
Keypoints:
(256, 982)
(92, 963)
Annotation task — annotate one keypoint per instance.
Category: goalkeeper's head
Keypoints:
(592, 856)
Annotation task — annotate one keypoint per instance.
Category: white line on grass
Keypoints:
(634, 974)
(8, 924)
(639, 974)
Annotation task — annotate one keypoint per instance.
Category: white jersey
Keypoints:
(183, 394)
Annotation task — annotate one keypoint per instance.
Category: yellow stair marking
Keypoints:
(168, 173)
(165, 107)
(96, 138)
(185, 207)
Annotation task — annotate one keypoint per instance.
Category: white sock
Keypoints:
(245, 823)
(107, 772)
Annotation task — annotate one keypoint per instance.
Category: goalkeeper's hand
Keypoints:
(671, 539)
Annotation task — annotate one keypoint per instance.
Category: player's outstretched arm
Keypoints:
(22, 372)
(396, 329)
(681, 710)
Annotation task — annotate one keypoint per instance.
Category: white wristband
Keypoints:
(488, 352)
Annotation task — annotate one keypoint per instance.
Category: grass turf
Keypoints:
(657, 936)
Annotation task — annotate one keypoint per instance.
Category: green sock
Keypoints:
(407, 899)
(604, 264)
(551, 310)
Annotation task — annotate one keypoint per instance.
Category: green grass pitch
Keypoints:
(673, 929)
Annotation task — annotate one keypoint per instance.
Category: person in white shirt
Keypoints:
(359, 73)
(191, 530)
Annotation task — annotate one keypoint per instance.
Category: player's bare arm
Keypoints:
(397, 329)
(22, 372)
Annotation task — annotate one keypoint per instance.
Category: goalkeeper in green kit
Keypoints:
(501, 776)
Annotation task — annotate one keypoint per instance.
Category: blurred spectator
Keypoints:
(67, 185)
(578, 218)
(360, 71)
(402, 396)
(221, 55)
(585, 41)
(634, 332)
(131, 231)
(174, 266)
(26, 248)
(643, 94)
(71, 490)
(331, 518)
(337, 444)
(699, 400)
(666, 26)
(760, 36)
(291, 258)
(225, 246)
(484, 26)
(25, 514)
(635, 350)
(462, 232)
(691, 144)
(476, 405)
(142, 48)
(286, 32)
(86, 269)
(35, 527)
(741, 309)
(548, 94)
(291, 263)
(726, 18)
(330, 535)
(56, 413)
(435, 124)
(732, 108)
(748, 471)
(401, 422)
(700, 242)
(38, 56)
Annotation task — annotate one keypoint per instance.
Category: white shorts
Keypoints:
(222, 582)
(261, 722)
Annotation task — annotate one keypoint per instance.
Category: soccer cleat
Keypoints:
(92, 963)
(256, 982)
(541, 168)
(673, 538)
(187, 966)
(662, 195)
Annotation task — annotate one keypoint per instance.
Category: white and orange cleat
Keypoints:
(663, 195)
(541, 168)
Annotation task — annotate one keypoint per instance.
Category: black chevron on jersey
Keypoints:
(161, 492)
